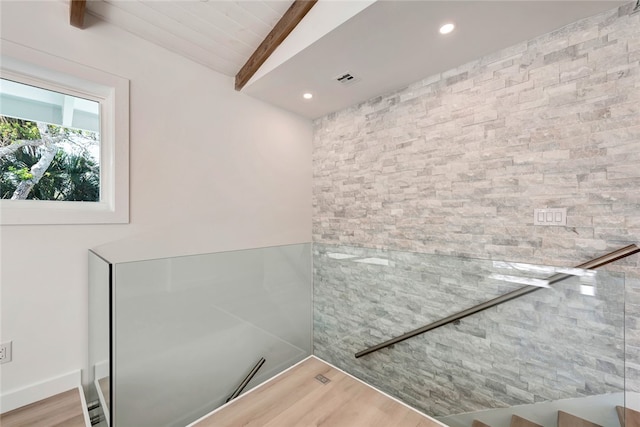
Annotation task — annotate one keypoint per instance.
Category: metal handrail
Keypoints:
(594, 263)
(245, 381)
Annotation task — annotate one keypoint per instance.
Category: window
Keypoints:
(49, 145)
(64, 141)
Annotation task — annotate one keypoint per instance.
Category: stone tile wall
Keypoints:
(551, 344)
(456, 163)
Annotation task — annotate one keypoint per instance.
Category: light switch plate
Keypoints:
(550, 216)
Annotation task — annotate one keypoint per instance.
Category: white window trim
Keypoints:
(112, 92)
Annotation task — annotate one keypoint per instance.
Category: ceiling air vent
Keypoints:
(346, 79)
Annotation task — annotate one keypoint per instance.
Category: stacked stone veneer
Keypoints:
(551, 344)
(456, 163)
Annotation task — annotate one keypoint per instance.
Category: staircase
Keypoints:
(628, 418)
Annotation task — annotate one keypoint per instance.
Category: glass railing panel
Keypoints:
(632, 347)
(187, 330)
(98, 372)
(557, 344)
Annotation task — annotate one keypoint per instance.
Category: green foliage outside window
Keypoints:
(46, 162)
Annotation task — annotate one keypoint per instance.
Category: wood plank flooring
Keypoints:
(569, 420)
(296, 398)
(517, 421)
(64, 409)
(630, 419)
(105, 387)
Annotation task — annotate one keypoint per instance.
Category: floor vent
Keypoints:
(322, 379)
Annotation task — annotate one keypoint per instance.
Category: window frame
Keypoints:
(25, 65)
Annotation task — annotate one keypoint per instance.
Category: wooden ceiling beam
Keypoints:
(76, 13)
(280, 31)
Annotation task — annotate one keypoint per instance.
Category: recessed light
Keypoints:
(307, 95)
(447, 28)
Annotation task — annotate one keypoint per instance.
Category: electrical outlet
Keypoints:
(5, 352)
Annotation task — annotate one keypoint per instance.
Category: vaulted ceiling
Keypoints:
(387, 44)
(221, 35)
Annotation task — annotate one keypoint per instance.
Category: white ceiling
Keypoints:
(219, 34)
(391, 44)
(387, 45)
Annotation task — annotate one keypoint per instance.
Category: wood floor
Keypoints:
(296, 398)
(628, 417)
(64, 409)
(105, 387)
(569, 420)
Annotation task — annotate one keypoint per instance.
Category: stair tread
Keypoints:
(477, 423)
(566, 419)
(632, 417)
(517, 421)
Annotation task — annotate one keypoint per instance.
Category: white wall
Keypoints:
(204, 158)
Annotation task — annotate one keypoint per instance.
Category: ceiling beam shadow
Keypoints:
(280, 31)
(76, 13)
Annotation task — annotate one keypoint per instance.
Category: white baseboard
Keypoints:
(101, 370)
(13, 399)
